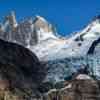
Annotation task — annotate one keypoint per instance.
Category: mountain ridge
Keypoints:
(41, 37)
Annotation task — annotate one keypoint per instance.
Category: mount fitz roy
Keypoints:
(62, 55)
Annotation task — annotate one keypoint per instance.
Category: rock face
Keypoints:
(20, 69)
(76, 90)
(41, 23)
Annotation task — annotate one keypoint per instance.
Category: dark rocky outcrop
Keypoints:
(20, 69)
(93, 46)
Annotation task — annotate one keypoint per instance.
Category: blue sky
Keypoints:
(67, 15)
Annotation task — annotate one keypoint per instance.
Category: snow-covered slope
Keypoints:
(77, 45)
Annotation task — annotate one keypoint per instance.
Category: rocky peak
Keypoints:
(11, 20)
(41, 23)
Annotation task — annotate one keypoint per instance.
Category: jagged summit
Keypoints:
(41, 23)
(26, 32)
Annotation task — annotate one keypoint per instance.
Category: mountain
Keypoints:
(41, 37)
(62, 55)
